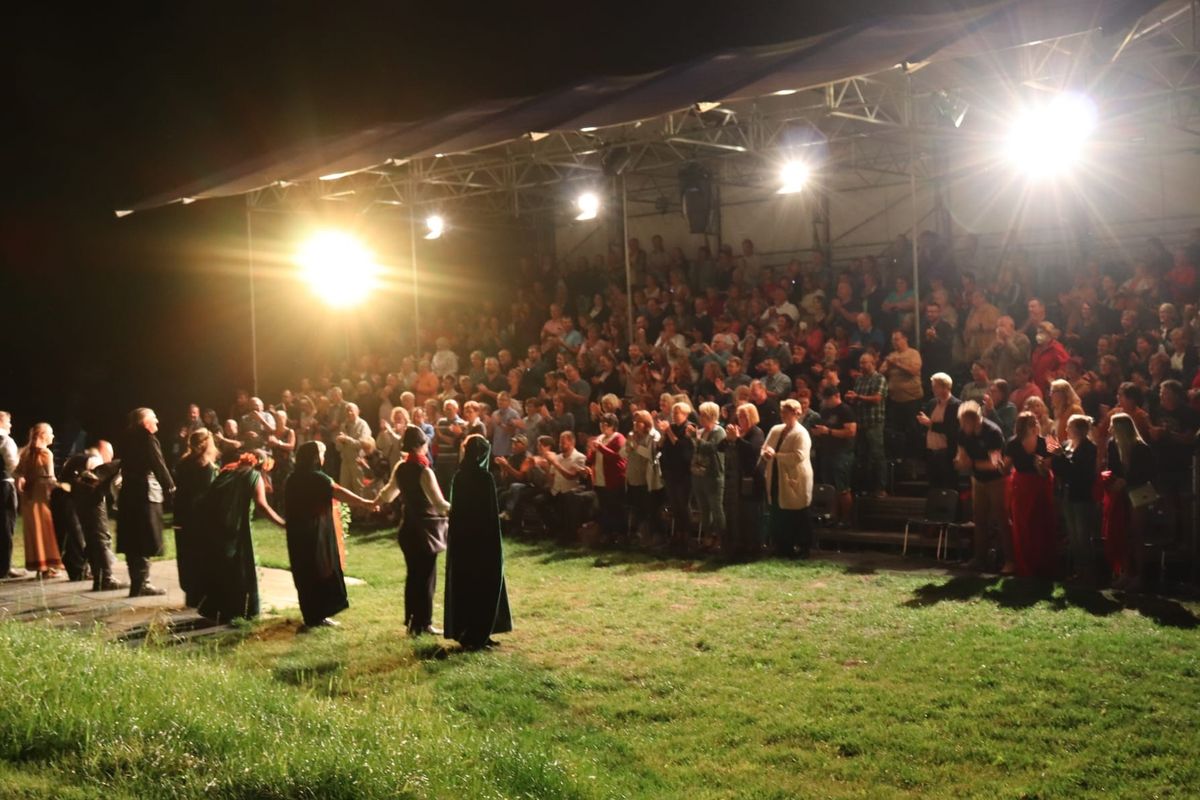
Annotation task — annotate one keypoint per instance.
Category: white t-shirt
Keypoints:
(562, 483)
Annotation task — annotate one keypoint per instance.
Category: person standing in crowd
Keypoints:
(352, 441)
(867, 399)
(981, 452)
(788, 478)
(999, 409)
(193, 476)
(834, 437)
(505, 422)
(476, 605)
(903, 369)
(1074, 464)
(677, 449)
(1128, 499)
(744, 489)
(940, 419)
(227, 578)
(449, 433)
(8, 496)
(607, 463)
(643, 476)
(92, 474)
(423, 530)
(568, 468)
(315, 550)
(281, 444)
(1031, 500)
(708, 469)
(145, 484)
(1064, 404)
(35, 482)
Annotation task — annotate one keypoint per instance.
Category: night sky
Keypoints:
(111, 103)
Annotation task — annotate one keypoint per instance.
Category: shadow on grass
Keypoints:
(1021, 593)
(631, 559)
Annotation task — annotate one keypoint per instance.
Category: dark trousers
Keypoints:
(419, 587)
(139, 571)
(612, 517)
(646, 506)
(8, 524)
(790, 532)
(941, 469)
(99, 550)
(902, 421)
(679, 496)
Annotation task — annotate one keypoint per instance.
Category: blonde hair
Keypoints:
(709, 411)
(1064, 386)
(685, 407)
(751, 412)
(1126, 435)
(942, 379)
(792, 405)
(970, 408)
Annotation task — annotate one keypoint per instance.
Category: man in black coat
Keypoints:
(145, 483)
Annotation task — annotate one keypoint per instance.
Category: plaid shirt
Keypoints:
(870, 415)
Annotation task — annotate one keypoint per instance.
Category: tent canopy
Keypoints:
(868, 48)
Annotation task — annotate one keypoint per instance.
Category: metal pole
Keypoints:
(253, 307)
(628, 264)
(412, 238)
(916, 220)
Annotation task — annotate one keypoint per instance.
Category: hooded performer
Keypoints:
(313, 540)
(476, 598)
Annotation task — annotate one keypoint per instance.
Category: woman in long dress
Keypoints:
(788, 477)
(476, 596)
(315, 551)
(1129, 498)
(228, 578)
(35, 482)
(1031, 500)
(194, 474)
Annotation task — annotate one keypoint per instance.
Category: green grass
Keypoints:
(630, 677)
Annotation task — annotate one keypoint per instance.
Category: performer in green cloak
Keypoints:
(476, 597)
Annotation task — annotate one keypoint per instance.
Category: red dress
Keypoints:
(1115, 528)
(1031, 508)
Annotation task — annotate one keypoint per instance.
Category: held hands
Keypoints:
(852, 396)
(924, 420)
(821, 430)
(768, 453)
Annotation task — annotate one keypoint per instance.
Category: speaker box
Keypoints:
(696, 194)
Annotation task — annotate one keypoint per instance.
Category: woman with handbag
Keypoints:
(788, 475)
(1128, 499)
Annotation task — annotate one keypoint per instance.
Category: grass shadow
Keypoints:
(1022, 593)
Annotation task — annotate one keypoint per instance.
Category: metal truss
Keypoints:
(864, 131)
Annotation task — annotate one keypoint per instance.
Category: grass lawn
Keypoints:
(631, 677)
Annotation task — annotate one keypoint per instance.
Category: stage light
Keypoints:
(1048, 140)
(792, 177)
(338, 268)
(589, 206)
(434, 226)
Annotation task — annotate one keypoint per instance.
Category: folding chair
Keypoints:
(941, 511)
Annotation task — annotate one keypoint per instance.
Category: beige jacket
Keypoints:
(794, 465)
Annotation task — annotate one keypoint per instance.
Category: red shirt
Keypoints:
(1048, 359)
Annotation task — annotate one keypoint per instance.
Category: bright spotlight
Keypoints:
(434, 226)
(589, 206)
(1047, 141)
(792, 177)
(338, 268)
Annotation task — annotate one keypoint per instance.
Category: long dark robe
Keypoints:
(227, 579)
(313, 545)
(192, 481)
(476, 596)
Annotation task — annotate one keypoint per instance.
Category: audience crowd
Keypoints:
(1062, 406)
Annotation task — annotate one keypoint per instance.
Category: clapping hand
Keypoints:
(924, 419)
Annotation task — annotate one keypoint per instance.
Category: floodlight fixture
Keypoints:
(435, 226)
(1048, 140)
(793, 176)
(588, 204)
(338, 267)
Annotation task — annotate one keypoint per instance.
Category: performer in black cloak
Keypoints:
(227, 580)
(145, 484)
(476, 597)
(314, 549)
(194, 474)
(422, 529)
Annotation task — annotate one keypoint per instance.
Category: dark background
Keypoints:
(111, 103)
